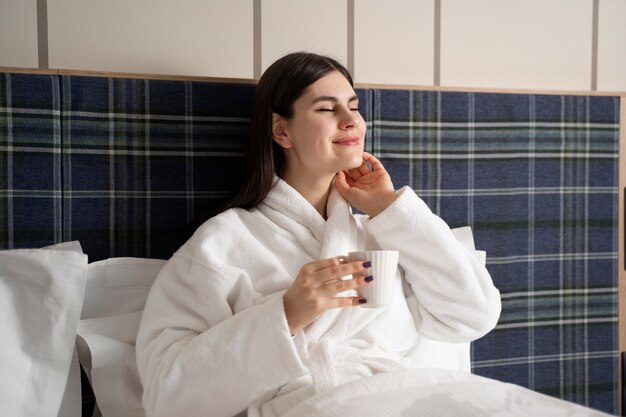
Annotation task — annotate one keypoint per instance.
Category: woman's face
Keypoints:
(326, 132)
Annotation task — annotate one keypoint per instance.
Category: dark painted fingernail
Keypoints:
(362, 300)
(369, 279)
(367, 264)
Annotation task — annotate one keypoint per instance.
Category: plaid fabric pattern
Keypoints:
(536, 178)
(142, 159)
(124, 165)
(30, 161)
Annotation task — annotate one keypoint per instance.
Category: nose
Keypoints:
(349, 118)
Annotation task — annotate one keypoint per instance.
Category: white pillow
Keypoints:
(115, 295)
(72, 403)
(41, 294)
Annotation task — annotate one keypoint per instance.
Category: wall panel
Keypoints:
(517, 44)
(612, 45)
(188, 37)
(18, 33)
(318, 26)
(394, 41)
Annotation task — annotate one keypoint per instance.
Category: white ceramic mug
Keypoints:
(379, 293)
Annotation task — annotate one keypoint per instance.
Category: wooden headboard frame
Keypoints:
(621, 289)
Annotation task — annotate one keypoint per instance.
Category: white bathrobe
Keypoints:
(214, 339)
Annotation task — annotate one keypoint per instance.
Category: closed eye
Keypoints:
(332, 110)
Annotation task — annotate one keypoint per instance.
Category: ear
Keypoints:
(279, 132)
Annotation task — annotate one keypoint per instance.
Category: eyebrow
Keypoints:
(333, 99)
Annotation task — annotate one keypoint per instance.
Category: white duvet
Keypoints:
(434, 393)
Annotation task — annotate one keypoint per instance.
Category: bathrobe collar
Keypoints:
(335, 236)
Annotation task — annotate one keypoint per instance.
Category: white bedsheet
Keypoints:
(434, 393)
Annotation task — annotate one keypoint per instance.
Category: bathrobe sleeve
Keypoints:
(457, 300)
(196, 358)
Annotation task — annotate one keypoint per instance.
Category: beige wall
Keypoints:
(18, 33)
(294, 25)
(612, 45)
(530, 44)
(394, 42)
(190, 37)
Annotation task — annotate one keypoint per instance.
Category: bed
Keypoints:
(115, 173)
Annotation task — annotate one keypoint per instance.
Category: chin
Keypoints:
(355, 162)
(351, 160)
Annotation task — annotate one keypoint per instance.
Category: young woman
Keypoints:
(252, 312)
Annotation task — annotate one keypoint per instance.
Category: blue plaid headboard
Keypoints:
(128, 166)
(125, 166)
(536, 177)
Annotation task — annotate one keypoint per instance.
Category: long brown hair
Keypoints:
(279, 87)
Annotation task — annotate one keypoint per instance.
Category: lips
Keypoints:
(348, 141)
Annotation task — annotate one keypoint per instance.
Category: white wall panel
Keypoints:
(612, 45)
(517, 44)
(394, 41)
(18, 33)
(186, 37)
(302, 25)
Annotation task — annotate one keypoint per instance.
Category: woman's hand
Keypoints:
(368, 189)
(313, 292)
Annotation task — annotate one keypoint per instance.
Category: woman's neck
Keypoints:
(315, 190)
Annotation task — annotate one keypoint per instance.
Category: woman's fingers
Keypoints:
(353, 173)
(370, 164)
(315, 287)
(359, 171)
(341, 182)
(364, 169)
(336, 302)
(373, 161)
(331, 288)
(327, 275)
(322, 264)
(334, 268)
(335, 271)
